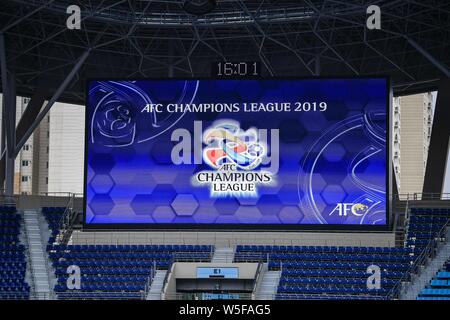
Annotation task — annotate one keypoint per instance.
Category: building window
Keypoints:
(46, 180)
(25, 163)
(26, 147)
(46, 164)
(48, 134)
(47, 149)
(26, 178)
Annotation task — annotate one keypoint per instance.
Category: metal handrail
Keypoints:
(166, 280)
(423, 196)
(257, 276)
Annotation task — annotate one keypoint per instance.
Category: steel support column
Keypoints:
(10, 133)
(53, 99)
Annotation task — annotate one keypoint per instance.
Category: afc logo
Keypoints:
(343, 209)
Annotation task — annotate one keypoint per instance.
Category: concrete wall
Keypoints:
(230, 239)
(188, 270)
(34, 201)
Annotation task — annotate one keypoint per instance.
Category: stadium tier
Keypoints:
(12, 257)
(424, 224)
(314, 270)
(306, 272)
(117, 272)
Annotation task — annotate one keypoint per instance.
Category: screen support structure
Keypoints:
(12, 145)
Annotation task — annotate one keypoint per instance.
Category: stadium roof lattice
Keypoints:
(145, 38)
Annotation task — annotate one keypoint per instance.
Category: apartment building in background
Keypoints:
(412, 124)
(51, 161)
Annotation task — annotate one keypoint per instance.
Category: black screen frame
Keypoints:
(173, 227)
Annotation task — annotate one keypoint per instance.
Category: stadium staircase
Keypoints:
(38, 259)
(223, 255)
(267, 288)
(157, 285)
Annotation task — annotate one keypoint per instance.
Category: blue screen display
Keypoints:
(227, 153)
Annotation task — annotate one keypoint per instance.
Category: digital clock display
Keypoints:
(236, 69)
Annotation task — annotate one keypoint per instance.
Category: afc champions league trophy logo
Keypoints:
(235, 155)
(228, 143)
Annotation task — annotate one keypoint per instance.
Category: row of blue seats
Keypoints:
(53, 215)
(417, 243)
(337, 265)
(7, 209)
(428, 219)
(12, 263)
(443, 275)
(100, 295)
(421, 234)
(128, 255)
(9, 231)
(435, 292)
(14, 295)
(115, 270)
(15, 288)
(12, 247)
(130, 248)
(336, 281)
(337, 273)
(280, 257)
(102, 279)
(11, 254)
(322, 249)
(106, 263)
(283, 296)
(433, 298)
(9, 216)
(433, 211)
(330, 289)
(340, 257)
(13, 283)
(103, 287)
(10, 239)
(440, 283)
(9, 224)
(12, 273)
(425, 227)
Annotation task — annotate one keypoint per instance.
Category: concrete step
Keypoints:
(38, 256)
(156, 286)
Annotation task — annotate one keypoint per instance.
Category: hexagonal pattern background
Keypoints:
(325, 156)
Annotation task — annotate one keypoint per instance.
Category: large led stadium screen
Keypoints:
(249, 154)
